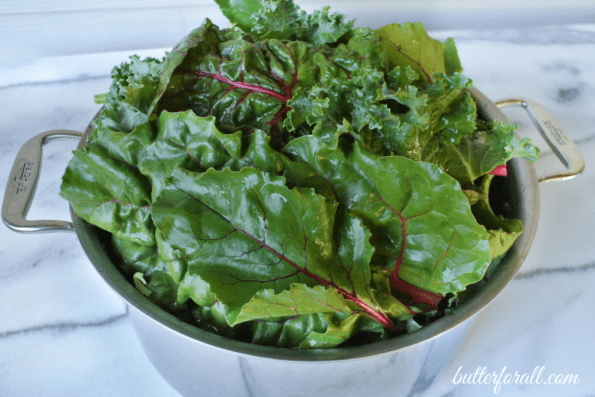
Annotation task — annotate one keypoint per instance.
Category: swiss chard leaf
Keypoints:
(195, 288)
(238, 230)
(160, 289)
(137, 258)
(205, 36)
(122, 128)
(341, 328)
(194, 143)
(188, 141)
(248, 85)
(155, 278)
(421, 223)
(102, 181)
(313, 331)
(298, 300)
(501, 240)
(410, 45)
(233, 80)
(109, 193)
(503, 232)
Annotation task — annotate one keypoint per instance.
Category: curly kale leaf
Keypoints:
(283, 20)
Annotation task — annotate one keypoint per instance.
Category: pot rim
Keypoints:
(524, 194)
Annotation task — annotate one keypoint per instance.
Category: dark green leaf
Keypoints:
(240, 12)
(502, 232)
(480, 152)
(247, 85)
(320, 27)
(244, 232)
(161, 288)
(188, 141)
(207, 35)
(194, 143)
(109, 193)
(128, 103)
(421, 222)
(283, 20)
(137, 258)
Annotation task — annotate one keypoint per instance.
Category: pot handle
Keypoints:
(563, 148)
(22, 183)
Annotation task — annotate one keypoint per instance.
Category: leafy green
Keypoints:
(299, 299)
(431, 228)
(387, 112)
(110, 194)
(151, 274)
(313, 331)
(137, 258)
(294, 181)
(194, 143)
(481, 152)
(239, 235)
(282, 19)
(127, 105)
(408, 44)
(248, 85)
(240, 12)
(452, 63)
(502, 232)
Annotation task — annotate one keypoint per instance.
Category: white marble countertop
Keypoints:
(63, 332)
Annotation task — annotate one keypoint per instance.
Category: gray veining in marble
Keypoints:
(65, 327)
(587, 270)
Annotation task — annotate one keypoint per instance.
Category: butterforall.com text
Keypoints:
(481, 376)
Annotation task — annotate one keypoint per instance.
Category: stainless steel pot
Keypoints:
(198, 363)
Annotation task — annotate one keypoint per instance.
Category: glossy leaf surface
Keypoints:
(420, 221)
(110, 194)
(289, 181)
(245, 231)
(481, 152)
